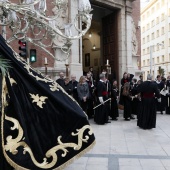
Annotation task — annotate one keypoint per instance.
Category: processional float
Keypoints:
(42, 127)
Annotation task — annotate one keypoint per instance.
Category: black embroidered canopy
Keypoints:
(41, 126)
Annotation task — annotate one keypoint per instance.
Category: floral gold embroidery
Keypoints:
(13, 144)
(54, 87)
(38, 100)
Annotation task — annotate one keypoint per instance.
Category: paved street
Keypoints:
(122, 145)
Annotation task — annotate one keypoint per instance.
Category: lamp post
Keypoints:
(107, 70)
(46, 64)
(151, 49)
(67, 67)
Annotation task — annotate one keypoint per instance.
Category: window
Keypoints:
(143, 62)
(153, 60)
(162, 30)
(143, 40)
(157, 20)
(153, 36)
(157, 33)
(162, 44)
(162, 16)
(157, 6)
(148, 26)
(157, 59)
(153, 10)
(163, 2)
(157, 47)
(143, 17)
(148, 38)
(148, 14)
(147, 61)
(153, 23)
(143, 29)
(163, 58)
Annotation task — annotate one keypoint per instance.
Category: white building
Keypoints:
(155, 37)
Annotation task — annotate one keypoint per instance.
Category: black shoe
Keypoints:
(127, 119)
(131, 117)
(115, 119)
(108, 122)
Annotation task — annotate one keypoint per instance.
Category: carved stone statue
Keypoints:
(61, 21)
(134, 40)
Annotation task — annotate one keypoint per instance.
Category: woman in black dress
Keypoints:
(114, 98)
(127, 101)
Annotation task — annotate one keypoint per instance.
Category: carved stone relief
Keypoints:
(134, 40)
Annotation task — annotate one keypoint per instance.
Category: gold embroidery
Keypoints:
(13, 144)
(38, 100)
(54, 87)
(12, 81)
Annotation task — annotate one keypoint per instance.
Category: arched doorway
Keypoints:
(101, 42)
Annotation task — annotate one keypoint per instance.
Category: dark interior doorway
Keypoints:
(101, 41)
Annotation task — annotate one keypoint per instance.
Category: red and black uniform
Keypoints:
(101, 113)
(147, 112)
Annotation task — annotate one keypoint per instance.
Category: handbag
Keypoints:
(120, 107)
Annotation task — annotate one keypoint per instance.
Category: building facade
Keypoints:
(155, 36)
(114, 36)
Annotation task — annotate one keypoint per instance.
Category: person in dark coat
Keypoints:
(160, 85)
(67, 86)
(74, 84)
(134, 97)
(163, 95)
(114, 114)
(90, 83)
(147, 113)
(60, 80)
(123, 81)
(102, 111)
(127, 98)
(83, 93)
(167, 109)
(141, 78)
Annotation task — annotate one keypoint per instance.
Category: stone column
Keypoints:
(75, 57)
(76, 49)
(128, 30)
(121, 42)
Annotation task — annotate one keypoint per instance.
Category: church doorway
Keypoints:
(101, 42)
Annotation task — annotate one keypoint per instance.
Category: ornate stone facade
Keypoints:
(128, 41)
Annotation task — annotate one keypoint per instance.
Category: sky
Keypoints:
(143, 3)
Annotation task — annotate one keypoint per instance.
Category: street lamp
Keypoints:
(46, 64)
(28, 20)
(67, 67)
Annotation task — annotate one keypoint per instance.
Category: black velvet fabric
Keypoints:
(60, 116)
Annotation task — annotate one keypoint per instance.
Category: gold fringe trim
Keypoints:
(13, 164)
(61, 167)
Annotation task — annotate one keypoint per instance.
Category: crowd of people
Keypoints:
(102, 100)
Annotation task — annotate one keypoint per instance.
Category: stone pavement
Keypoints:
(121, 145)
